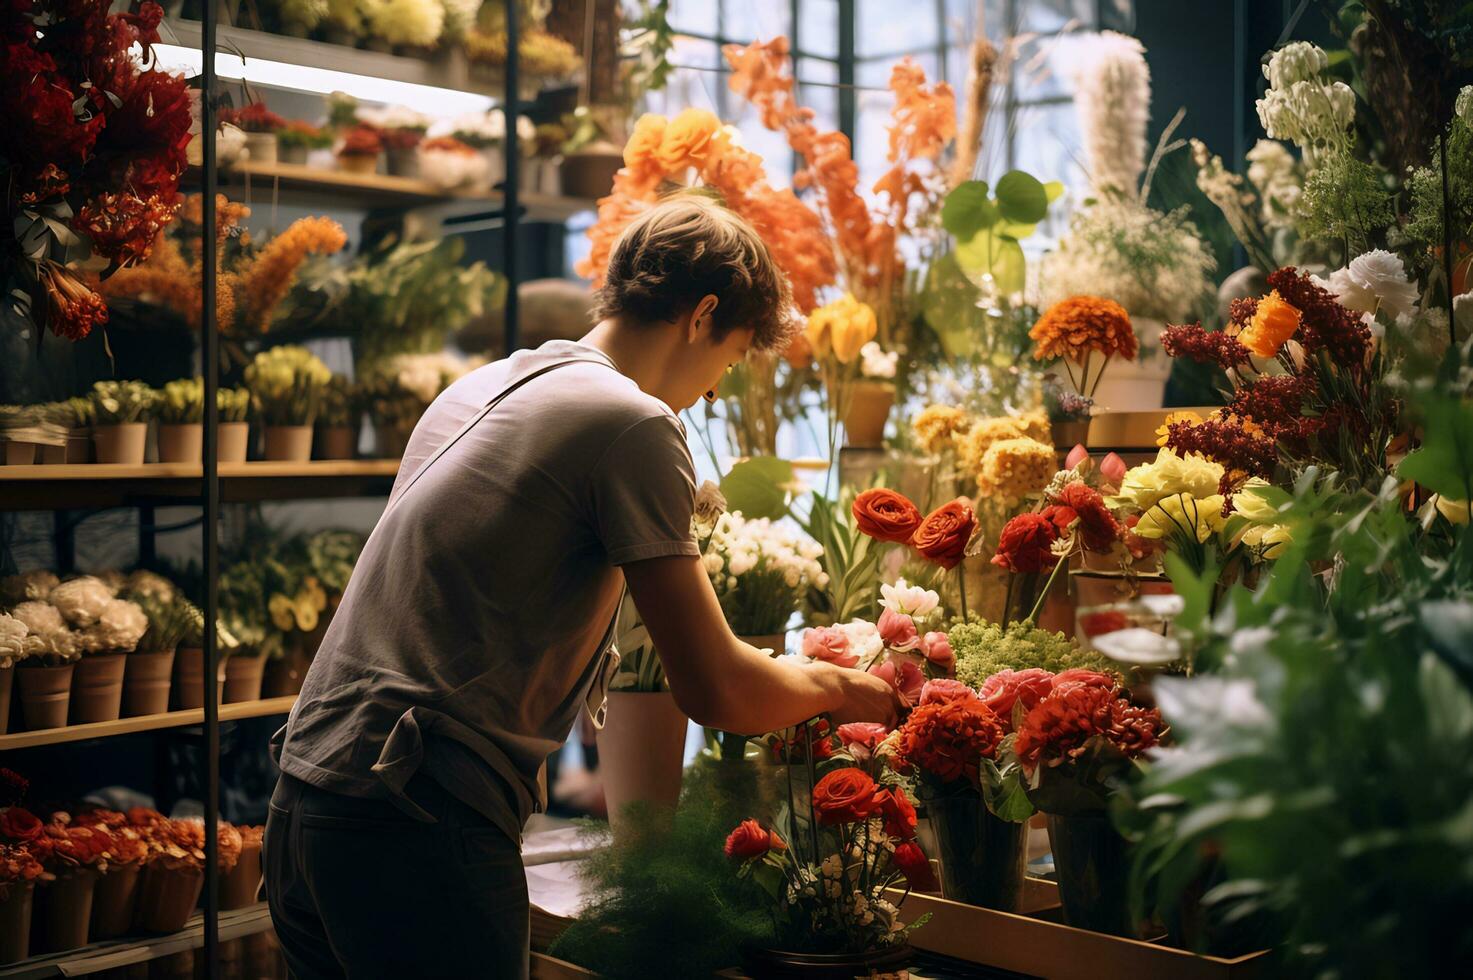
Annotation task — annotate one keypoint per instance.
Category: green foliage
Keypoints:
(122, 402)
(1444, 462)
(988, 229)
(1345, 202)
(850, 558)
(758, 487)
(648, 42)
(1423, 227)
(983, 648)
(182, 401)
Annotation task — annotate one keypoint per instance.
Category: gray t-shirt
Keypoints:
(475, 623)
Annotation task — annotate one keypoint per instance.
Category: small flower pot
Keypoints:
(283, 675)
(167, 897)
(181, 442)
(294, 154)
(243, 676)
(52, 455)
(982, 858)
(188, 690)
(97, 688)
(63, 912)
(238, 887)
(357, 163)
(641, 753)
(146, 683)
(44, 695)
(16, 901)
(7, 683)
(588, 173)
(232, 441)
(20, 453)
(776, 964)
(115, 901)
(79, 447)
(121, 443)
(336, 442)
(288, 443)
(1070, 433)
(1092, 862)
(262, 147)
(403, 161)
(869, 409)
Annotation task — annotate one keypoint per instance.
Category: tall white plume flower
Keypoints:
(1113, 98)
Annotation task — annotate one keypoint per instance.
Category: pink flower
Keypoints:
(1008, 687)
(903, 675)
(1083, 677)
(1112, 468)
(830, 644)
(937, 648)
(898, 631)
(861, 738)
(1076, 456)
(944, 689)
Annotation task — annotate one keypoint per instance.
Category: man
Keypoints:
(476, 624)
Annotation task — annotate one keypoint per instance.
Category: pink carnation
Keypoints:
(945, 689)
(1083, 677)
(903, 675)
(830, 644)
(898, 631)
(1008, 687)
(937, 648)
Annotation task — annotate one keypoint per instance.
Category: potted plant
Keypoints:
(121, 413)
(261, 126)
(398, 389)
(871, 397)
(115, 896)
(590, 156)
(188, 689)
(296, 603)
(43, 678)
(108, 629)
(78, 416)
(233, 436)
(451, 165)
(181, 415)
(16, 645)
(485, 132)
(244, 614)
(20, 870)
(75, 856)
(286, 385)
(359, 150)
(173, 873)
(297, 139)
(337, 420)
(30, 434)
(1068, 414)
(401, 130)
(150, 667)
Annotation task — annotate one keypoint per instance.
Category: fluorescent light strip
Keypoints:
(428, 99)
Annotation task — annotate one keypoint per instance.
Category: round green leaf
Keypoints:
(967, 209)
(758, 487)
(1021, 198)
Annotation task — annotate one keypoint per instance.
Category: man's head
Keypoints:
(693, 264)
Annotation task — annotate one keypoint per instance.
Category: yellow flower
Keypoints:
(1185, 514)
(306, 613)
(686, 141)
(281, 610)
(1170, 474)
(1274, 322)
(1456, 511)
(1164, 432)
(972, 445)
(1267, 541)
(1252, 506)
(841, 328)
(937, 425)
(1015, 468)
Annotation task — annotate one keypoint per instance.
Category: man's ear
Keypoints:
(701, 318)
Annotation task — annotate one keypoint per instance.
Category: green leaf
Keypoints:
(968, 210)
(1009, 266)
(1054, 190)
(1021, 198)
(949, 305)
(758, 487)
(1444, 463)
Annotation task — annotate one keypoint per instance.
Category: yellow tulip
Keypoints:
(1252, 506)
(1181, 512)
(841, 328)
(1267, 541)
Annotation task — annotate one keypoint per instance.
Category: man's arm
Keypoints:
(721, 682)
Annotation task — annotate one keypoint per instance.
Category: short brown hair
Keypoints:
(689, 246)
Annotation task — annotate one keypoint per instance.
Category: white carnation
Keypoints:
(118, 629)
(875, 363)
(81, 600)
(1382, 274)
(28, 585)
(909, 600)
(48, 630)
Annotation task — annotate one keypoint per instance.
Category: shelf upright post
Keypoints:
(210, 368)
(511, 214)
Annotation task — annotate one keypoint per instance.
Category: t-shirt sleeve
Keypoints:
(644, 491)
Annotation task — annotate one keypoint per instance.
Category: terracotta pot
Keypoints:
(776, 642)
(115, 901)
(97, 688)
(167, 897)
(336, 442)
(188, 690)
(641, 751)
(289, 443)
(146, 683)
(20, 453)
(1067, 435)
(284, 674)
(590, 173)
(53, 455)
(7, 683)
(16, 901)
(181, 443)
(869, 409)
(776, 964)
(232, 441)
(238, 888)
(44, 695)
(243, 678)
(262, 147)
(360, 164)
(121, 443)
(79, 446)
(64, 911)
(982, 857)
(294, 154)
(1092, 862)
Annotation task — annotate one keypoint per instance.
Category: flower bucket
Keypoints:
(284, 674)
(776, 964)
(336, 442)
(121, 443)
(289, 443)
(358, 163)
(79, 446)
(7, 683)
(114, 901)
(1092, 863)
(63, 912)
(16, 901)
(869, 409)
(181, 443)
(402, 162)
(1138, 385)
(238, 888)
(262, 147)
(1070, 433)
(146, 683)
(53, 455)
(232, 441)
(44, 695)
(982, 858)
(97, 688)
(188, 690)
(295, 154)
(641, 753)
(20, 453)
(167, 897)
(243, 678)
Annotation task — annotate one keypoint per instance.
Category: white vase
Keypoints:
(262, 147)
(1138, 385)
(641, 753)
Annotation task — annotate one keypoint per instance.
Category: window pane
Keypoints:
(1054, 15)
(1044, 68)
(1047, 144)
(818, 27)
(755, 20)
(817, 70)
(824, 101)
(883, 26)
(696, 16)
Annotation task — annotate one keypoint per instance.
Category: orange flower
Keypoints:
(687, 140)
(886, 515)
(1080, 325)
(1274, 322)
(266, 280)
(649, 133)
(943, 536)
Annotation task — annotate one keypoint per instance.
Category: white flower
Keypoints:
(81, 600)
(16, 640)
(28, 585)
(394, 117)
(909, 600)
(713, 563)
(1298, 61)
(864, 639)
(875, 363)
(118, 629)
(1349, 293)
(1113, 99)
(1382, 274)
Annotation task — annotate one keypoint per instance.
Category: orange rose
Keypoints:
(942, 537)
(19, 824)
(846, 796)
(648, 134)
(1274, 322)
(687, 140)
(886, 515)
(749, 840)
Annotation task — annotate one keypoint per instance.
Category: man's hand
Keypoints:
(864, 697)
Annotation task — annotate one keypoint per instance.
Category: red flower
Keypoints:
(1057, 729)
(13, 787)
(1025, 543)
(749, 840)
(1100, 623)
(900, 816)
(790, 750)
(948, 739)
(1083, 676)
(943, 536)
(1080, 505)
(72, 310)
(19, 824)
(911, 861)
(846, 796)
(1009, 687)
(1205, 346)
(898, 631)
(886, 515)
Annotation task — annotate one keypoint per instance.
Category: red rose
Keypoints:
(1024, 544)
(911, 861)
(886, 515)
(1009, 687)
(845, 796)
(1081, 506)
(749, 840)
(900, 816)
(943, 536)
(19, 824)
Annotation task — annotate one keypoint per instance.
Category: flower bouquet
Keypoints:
(941, 538)
(106, 629)
(287, 384)
(181, 416)
(761, 570)
(75, 856)
(45, 651)
(121, 411)
(173, 871)
(115, 896)
(21, 848)
(297, 139)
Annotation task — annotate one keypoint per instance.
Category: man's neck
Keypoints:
(637, 352)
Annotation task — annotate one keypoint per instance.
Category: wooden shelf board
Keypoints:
(68, 486)
(124, 952)
(145, 723)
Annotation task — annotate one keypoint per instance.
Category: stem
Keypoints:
(962, 582)
(1447, 232)
(1038, 605)
(1007, 602)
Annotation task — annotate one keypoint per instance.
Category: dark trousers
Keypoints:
(358, 888)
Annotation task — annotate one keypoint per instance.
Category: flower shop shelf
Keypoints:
(124, 952)
(316, 186)
(60, 487)
(145, 723)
